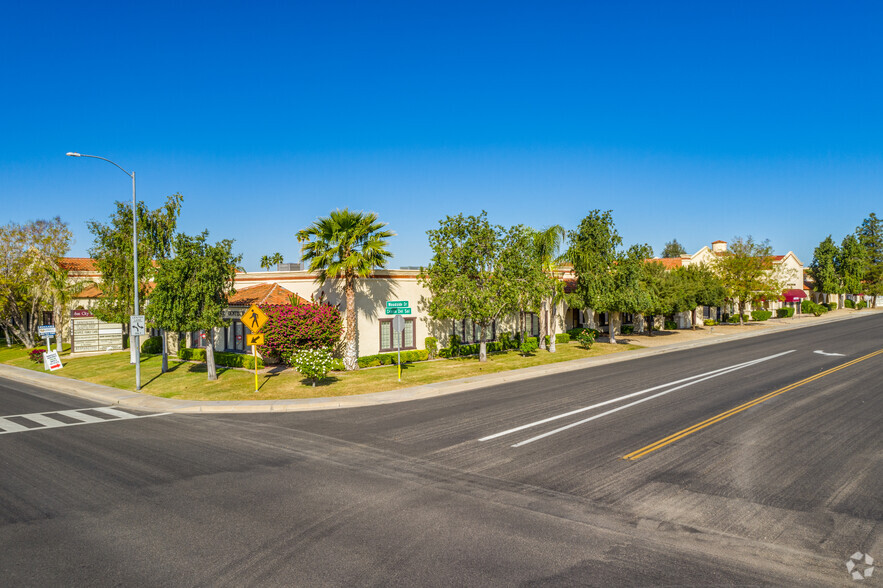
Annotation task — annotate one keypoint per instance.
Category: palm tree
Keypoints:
(268, 261)
(346, 244)
(547, 243)
(62, 291)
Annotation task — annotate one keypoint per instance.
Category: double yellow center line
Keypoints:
(715, 419)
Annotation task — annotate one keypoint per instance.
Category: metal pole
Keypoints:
(136, 338)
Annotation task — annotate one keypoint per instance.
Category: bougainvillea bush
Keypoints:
(306, 326)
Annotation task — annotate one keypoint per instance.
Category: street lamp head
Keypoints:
(72, 154)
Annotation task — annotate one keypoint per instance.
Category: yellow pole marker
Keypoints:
(742, 407)
(254, 350)
(255, 339)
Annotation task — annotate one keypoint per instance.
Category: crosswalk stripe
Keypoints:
(86, 418)
(115, 412)
(11, 427)
(46, 419)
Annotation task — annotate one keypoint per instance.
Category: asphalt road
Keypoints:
(742, 478)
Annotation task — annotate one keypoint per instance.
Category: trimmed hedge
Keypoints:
(861, 304)
(761, 315)
(832, 306)
(392, 358)
(670, 325)
(431, 346)
(562, 338)
(627, 329)
(848, 303)
(785, 312)
(735, 319)
(576, 331)
(152, 346)
(235, 360)
(709, 322)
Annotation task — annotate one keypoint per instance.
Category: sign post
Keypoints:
(397, 308)
(398, 326)
(47, 331)
(254, 318)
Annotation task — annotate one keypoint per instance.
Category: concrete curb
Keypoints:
(145, 402)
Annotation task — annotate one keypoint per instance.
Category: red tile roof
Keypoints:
(78, 264)
(264, 294)
(667, 262)
(714, 242)
(90, 291)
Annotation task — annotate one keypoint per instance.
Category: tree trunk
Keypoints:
(543, 326)
(482, 346)
(210, 356)
(741, 313)
(613, 317)
(6, 336)
(649, 320)
(350, 359)
(693, 319)
(553, 315)
(165, 351)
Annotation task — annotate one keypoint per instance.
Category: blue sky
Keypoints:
(696, 121)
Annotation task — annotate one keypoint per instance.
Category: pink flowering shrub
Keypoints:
(306, 326)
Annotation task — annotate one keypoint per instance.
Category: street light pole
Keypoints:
(135, 338)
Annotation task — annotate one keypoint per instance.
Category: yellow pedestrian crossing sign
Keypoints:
(254, 339)
(254, 318)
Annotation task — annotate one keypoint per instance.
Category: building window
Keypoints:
(469, 332)
(389, 340)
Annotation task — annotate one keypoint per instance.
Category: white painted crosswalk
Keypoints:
(22, 423)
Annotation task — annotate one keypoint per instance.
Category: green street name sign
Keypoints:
(398, 311)
(397, 304)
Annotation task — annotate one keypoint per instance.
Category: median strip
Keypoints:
(715, 419)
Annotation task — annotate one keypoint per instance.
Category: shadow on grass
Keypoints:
(172, 368)
(327, 381)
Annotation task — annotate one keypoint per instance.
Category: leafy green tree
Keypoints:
(870, 235)
(112, 250)
(656, 283)
(749, 274)
(547, 244)
(192, 288)
(524, 269)
(346, 245)
(474, 269)
(673, 249)
(695, 286)
(852, 265)
(27, 254)
(608, 280)
(823, 268)
(268, 261)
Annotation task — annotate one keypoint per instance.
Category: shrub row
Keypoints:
(848, 303)
(735, 318)
(810, 307)
(226, 359)
(832, 306)
(785, 312)
(709, 322)
(575, 332)
(860, 305)
(761, 315)
(392, 358)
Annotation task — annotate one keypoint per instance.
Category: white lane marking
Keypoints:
(630, 404)
(45, 419)
(713, 373)
(86, 418)
(10, 427)
(820, 352)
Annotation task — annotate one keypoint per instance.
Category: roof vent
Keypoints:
(288, 267)
(410, 267)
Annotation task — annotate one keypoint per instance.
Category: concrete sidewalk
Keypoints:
(145, 402)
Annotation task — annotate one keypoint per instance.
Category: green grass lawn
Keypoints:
(188, 381)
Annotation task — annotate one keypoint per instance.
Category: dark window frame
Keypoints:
(408, 321)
